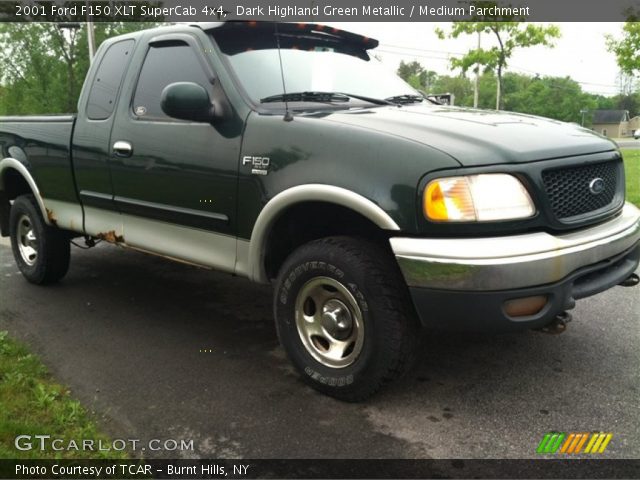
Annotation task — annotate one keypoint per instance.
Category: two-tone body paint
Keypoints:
(188, 180)
(37, 149)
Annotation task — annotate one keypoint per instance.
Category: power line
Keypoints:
(458, 54)
(446, 55)
(546, 75)
(412, 54)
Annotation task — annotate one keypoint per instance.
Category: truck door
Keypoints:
(90, 145)
(175, 181)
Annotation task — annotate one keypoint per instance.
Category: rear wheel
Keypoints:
(344, 316)
(41, 252)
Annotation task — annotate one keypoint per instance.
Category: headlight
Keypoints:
(477, 198)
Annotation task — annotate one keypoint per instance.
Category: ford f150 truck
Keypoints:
(286, 154)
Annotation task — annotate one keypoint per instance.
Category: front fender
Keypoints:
(306, 193)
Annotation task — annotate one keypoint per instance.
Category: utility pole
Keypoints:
(583, 112)
(91, 36)
(476, 83)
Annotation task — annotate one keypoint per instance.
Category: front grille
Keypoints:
(568, 189)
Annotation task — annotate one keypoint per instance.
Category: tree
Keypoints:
(416, 75)
(42, 66)
(509, 34)
(604, 103)
(409, 69)
(459, 86)
(560, 98)
(626, 49)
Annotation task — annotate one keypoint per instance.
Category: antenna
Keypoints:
(287, 114)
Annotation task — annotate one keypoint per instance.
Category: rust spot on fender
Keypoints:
(110, 237)
(51, 217)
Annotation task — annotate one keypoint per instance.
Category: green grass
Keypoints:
(31, 403)
(632, 171)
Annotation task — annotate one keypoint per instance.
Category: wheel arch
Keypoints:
(15, 179)
(366, 215)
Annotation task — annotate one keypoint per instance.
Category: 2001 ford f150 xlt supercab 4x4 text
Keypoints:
(284, 153)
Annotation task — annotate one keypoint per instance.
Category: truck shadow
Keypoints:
(199, 305)
(169, 349)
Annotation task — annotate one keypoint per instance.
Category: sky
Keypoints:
(580, 53)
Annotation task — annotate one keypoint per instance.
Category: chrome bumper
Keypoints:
(518, 261)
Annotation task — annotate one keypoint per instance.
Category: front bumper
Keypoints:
(463, 283)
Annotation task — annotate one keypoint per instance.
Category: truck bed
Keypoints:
(42, 143)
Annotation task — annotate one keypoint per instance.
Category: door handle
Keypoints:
(122, 149)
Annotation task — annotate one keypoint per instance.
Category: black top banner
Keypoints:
(319, 10)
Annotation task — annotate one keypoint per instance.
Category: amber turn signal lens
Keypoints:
(434, 205)
(449, 199)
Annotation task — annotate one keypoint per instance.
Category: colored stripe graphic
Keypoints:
(567, 443)
(577, 439)
(557, 443)
(543, 443)
(551, 442)
(605, 442)
(600, 442)
(572, 443)
(582, 442)
(593, 439)
(596, 445)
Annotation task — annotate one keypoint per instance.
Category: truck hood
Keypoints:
(479, 137)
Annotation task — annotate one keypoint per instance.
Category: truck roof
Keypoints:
(361, 41)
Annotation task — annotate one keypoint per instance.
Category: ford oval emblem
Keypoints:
(596, 186)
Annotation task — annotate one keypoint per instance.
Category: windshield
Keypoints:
(311, 62)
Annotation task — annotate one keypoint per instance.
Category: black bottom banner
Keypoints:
(329, 469)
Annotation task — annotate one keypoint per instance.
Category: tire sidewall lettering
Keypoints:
(306, 267)
(341, 381)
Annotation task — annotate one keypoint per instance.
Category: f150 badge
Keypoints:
(259, 165)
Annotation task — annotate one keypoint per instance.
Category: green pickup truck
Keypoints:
(286, 154)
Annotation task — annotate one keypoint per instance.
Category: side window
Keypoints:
(106, 84)
(162, 66)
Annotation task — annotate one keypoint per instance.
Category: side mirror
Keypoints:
(187, 101)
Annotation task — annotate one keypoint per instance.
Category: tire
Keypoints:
(41, 252)
(344, 317)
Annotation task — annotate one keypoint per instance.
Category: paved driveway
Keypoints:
(628, 143)
(126, 332)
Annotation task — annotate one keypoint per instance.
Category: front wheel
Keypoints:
(41, 252)
(344, 316)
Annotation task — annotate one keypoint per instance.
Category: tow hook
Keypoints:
(558, 325)
(631, 281)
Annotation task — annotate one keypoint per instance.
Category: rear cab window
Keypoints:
(103, 92)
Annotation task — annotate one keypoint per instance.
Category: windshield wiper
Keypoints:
(405, 98)
(322, 97)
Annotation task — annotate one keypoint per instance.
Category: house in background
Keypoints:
(634, 124)
(613, 123)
